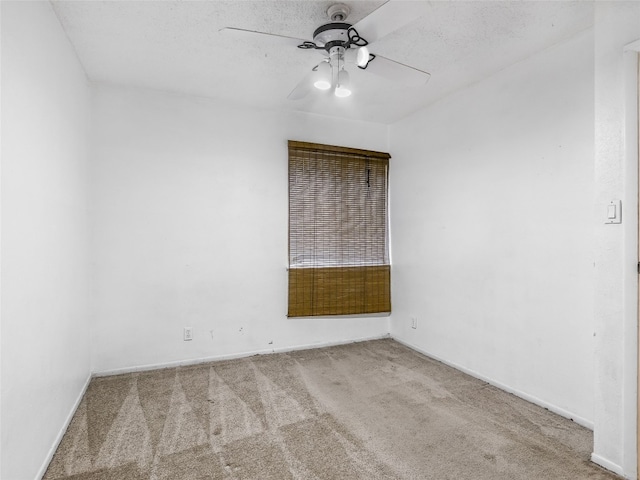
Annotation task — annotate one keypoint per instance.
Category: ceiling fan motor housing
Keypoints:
(332, 34)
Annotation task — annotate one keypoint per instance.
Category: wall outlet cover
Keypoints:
(188, 334)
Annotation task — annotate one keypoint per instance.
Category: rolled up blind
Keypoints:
(338, 231)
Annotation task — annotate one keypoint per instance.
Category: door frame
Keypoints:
(631, 412)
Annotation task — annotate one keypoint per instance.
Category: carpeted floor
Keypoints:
(371, 410)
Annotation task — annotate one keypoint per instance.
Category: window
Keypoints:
(338, 231)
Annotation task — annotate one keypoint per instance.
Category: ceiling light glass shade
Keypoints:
(359, 56)
(343, 87)
(362, 57)
(322, 78)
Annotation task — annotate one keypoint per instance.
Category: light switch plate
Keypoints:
(613, 213)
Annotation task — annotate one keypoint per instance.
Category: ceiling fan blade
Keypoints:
(262, 36)
(398, 72)
(388, 18)
(303, 88)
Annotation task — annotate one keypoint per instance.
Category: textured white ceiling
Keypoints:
(176, 46)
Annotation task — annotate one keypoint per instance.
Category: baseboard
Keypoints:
(604, 463)
(217, 358)
(63, 430)
(525, 396)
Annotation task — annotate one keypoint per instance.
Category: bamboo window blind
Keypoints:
(338, 231)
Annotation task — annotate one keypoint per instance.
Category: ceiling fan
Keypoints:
(342, 43)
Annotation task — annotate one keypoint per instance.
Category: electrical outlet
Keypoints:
(414, 322)
(188, 334)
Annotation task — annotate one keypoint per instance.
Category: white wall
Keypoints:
(45, 340)
(615, 299)
(492, 194)
(190, 229)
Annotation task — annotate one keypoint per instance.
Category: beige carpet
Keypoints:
(372, 410)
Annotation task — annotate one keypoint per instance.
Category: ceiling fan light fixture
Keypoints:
(343, 86)
(361, 56)
(358, 55)
(322, 80)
